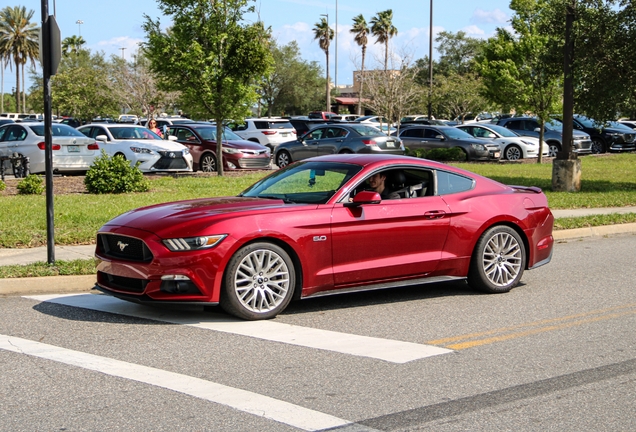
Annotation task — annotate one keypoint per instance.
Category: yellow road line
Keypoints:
(482, 338)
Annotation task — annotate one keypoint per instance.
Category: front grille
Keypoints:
(123, 247)
(121, 283)
(261, 162)
(170, 160)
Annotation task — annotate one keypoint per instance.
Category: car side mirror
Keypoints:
(364, 197)
(538, 130)
(102, 138)
(439, 137)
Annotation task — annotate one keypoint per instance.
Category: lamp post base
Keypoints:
(566, 175)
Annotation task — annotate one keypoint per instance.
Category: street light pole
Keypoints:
(335, 77)
(79, 26)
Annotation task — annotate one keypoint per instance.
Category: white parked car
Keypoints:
(513, 146)
(140, 145)
(380, 122)
(72, 151)
(269, 132)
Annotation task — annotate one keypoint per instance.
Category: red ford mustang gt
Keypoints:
(315, 228)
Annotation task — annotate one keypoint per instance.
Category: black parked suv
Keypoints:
(612, 136)
(552, 135)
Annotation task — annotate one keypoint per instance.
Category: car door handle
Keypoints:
(434, 214)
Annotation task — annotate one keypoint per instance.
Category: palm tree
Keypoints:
(361, 30)
(72, 44)
(19, 40)
(324, 34)
(383, 29)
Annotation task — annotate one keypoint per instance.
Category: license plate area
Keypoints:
(73, 148)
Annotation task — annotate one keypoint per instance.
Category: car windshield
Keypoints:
(136, 133)
(209, 134)
(57, 129)
(457, 133)
(304, 182)
(554, 125)
(505, 132)
(618, 125)
(365, 130)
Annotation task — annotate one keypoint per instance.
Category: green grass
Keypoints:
(607, 181)
(75, 267)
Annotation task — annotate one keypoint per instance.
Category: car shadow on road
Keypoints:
(381, 296)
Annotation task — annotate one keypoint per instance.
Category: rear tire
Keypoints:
(259, 282)
(498, 261)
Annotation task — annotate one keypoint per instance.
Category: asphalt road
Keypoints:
(556, 353)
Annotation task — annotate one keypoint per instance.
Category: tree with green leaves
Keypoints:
(211, 56)
(518, 71)
(324, 34)
(457, 52)
(293, 87)
(383, 30)
(18, 40)
(72, 44)
(361, 30)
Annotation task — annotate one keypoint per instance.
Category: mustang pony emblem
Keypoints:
(122, 245)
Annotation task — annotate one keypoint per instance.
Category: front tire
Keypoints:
(598, 146)
(554, 148)
(498, 261)
(513, 152)
(207, 163)
(259, 282)
(283, 158)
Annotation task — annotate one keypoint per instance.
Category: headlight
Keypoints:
(528, 143)
(193, 243)
(186, 151)
(141, 150)
(480, 147)
(231, 150)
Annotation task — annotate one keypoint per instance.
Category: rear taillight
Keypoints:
(93, 146)
(369, 142)
(269, 132)
(294, 131)
(42, 146)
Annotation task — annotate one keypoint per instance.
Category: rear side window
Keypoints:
(279, 125)
(448, 183)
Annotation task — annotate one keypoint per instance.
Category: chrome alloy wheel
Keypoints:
(262, 281)
(502, 259)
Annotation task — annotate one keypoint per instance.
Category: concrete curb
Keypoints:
(598, 231)
(46, 285)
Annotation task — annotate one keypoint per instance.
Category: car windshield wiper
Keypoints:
(284, 198)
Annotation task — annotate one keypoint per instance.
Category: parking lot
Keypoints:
(556, 352)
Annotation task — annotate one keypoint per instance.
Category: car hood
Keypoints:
(192, 215)
(157, 145)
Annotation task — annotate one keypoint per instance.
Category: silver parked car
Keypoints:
(337, 138)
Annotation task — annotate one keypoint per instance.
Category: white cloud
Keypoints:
(114, 46)
(474, 31)
(496, 16)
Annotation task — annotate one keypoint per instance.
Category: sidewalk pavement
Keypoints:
(59, 284)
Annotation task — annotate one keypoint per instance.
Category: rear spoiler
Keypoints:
(526, 189)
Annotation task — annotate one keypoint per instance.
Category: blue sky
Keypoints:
(116, 24)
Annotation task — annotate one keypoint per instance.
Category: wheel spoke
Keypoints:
(502, 259)
(261, 280)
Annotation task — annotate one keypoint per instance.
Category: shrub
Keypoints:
(2, 186)
(31, 185)
(439, 154)
(114, 175)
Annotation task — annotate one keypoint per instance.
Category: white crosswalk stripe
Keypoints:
(363, 346)
(253, 403)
